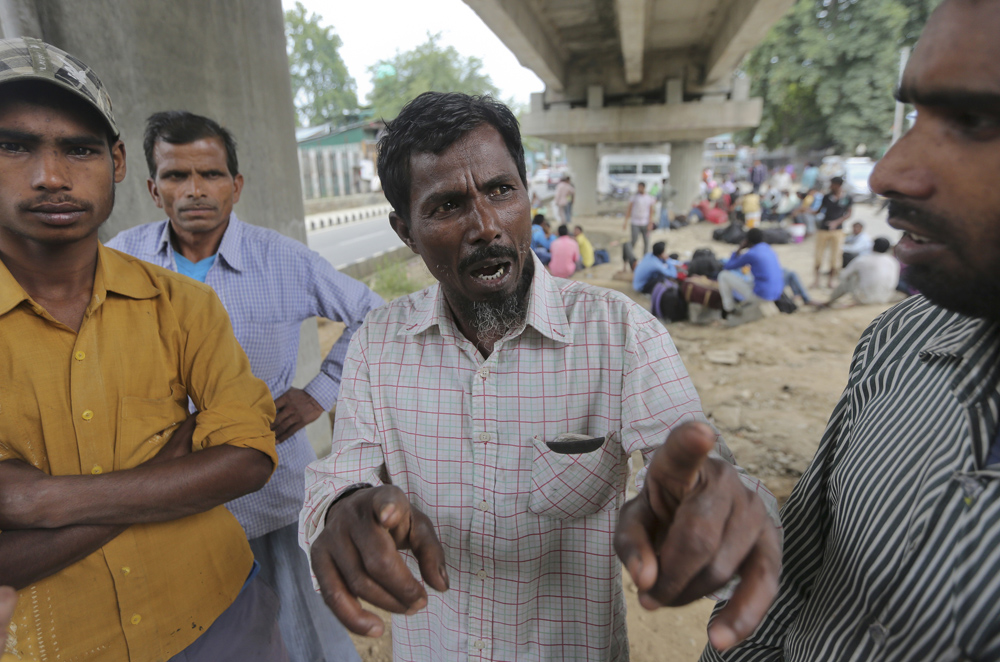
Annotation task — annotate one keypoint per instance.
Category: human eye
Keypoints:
(12, 147)
(445, 208)
(501, 190)
(978, 126)
(82, 151)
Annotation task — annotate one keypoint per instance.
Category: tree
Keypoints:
(827, 71)
(427, 67)
(322, 89)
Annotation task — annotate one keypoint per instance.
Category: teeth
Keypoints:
(920, 239)
(498, 274)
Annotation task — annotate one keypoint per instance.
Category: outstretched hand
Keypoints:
(356, 557)
(693, 528)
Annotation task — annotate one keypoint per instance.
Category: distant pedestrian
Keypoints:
(767, 278)
(758, 175)
(809, 176)
(565, 191)
(639, 215)
(540, 238)
(654, 268)
(870, 278)
(857, 243)
(835, 210)
(565, 254)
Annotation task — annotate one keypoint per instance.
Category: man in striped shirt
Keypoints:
(892, 547)
(485, 426)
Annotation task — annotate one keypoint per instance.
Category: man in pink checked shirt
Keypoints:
(484, 432)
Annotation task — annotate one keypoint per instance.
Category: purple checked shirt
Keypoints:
(269, 284)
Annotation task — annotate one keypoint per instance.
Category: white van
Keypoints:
(618, 174)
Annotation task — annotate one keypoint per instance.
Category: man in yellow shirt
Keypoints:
(586, 248)
(111, 499)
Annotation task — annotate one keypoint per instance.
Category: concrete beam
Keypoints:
(632, 24)
(642, 124)
(528, 35)
(745, 25)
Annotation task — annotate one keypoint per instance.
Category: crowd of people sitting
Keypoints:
(754, 215)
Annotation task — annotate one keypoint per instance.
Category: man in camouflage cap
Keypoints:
(114, 528)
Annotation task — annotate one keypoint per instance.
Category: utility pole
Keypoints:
(897, 123)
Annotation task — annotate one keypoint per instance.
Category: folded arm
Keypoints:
(31, 555)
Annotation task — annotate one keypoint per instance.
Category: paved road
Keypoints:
(354, 242)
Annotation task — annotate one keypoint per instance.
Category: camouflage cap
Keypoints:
(32, 59)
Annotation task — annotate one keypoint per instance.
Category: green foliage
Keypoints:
(427, 67)
(391, 282)
(322, 89)
(827, 71)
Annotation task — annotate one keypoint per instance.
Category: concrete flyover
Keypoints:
(635, 72)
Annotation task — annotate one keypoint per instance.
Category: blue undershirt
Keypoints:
(197, 270)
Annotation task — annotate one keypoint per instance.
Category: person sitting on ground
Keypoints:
(786, 206)
(870, 278)
(751, 209)
(767, 278)
(588, 256)
(857, 243)
(540, 241)
(806, 212)
(565, 254)
(654, 268)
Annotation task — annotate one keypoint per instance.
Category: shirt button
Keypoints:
(126, 570)
(878, 632)
(97, 470)
(479, 645)
(483, 506)
(79, 356)
(136, 618)
(482, 574)
(484, 372)
(484, 436)
(87, 415)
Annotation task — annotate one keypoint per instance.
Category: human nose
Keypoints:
(52, 173)
(195, 187)
(485, 226)
(905, 171)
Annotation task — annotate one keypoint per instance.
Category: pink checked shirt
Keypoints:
(527, 532)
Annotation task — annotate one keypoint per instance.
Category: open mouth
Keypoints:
(917, 238)
(492, 272)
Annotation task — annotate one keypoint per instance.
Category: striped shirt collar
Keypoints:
(976, 343)
(546, 313)
(229, 249)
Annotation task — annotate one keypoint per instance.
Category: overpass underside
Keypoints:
(635, 72)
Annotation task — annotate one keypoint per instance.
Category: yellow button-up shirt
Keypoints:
(106, 399)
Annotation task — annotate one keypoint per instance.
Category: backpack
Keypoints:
(777, 236)
(704, 263)
(667, 303)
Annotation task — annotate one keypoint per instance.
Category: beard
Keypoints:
(501, 312)
(967, 292)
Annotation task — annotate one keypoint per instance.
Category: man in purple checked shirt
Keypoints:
(269, 284)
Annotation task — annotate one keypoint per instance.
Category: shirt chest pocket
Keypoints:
(565, 486)
(145, 425)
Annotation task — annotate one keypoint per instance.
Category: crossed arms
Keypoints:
(50, 522)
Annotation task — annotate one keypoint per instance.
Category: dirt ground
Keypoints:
(769, 386)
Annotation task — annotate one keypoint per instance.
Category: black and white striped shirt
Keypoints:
(892, 536)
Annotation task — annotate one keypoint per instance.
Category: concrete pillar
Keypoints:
(686, 159)
(328, 171)
(339, 156)
(314, 173)
(582, 161)
(224, 59)
(352, 160)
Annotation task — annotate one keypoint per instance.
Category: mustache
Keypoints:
(488, 253)
(916, 216)
(56, 200)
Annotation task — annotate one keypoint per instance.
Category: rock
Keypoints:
(727, 416)
(723, 357)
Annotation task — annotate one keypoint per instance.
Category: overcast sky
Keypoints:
(372, 31)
